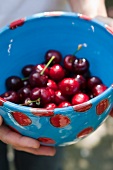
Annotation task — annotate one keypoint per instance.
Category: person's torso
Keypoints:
(11, 10)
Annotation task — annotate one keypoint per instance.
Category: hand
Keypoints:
(92, 8)
(23, 143)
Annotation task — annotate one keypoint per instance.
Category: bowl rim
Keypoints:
(98, 23)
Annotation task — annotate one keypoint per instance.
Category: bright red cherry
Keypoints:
(50, 106)
(69, 86)
(92, 81)
(80, 65)
(56, 54)
(98, 89)
(11, 96)
(57, 72)
(52, 84)
(64, 104)
(26, 70)
(40, 67)
(79, 98)
(68, 62)
(14, 83)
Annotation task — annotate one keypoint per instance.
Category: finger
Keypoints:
(1, 120)
(106, 20)
(9, 137)
(43, 150)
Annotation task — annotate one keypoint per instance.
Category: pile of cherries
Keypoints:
(58, 82)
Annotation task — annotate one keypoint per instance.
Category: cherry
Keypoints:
(57, 72)
(92, 81)
(14, 83)
(11, 96)
(68, 62)
(80, 66)
(38, 80)
(35, 93)
(40, 67)
(26, 70)
(52, 84)
(59, 97)
(98, 89)
(69, 86)
(26, 83)
(23, 93)
(45, 96)
(52, 94)
(81, 80)
(50, 106)
(56, 54)
(79, 98)
(64, 104)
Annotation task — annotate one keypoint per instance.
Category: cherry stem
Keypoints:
(49, 62)
(25, 78)
(79, 47)
(32, 101)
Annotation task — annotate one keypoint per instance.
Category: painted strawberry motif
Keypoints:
(85, 132)
(2, 101)
(42, 112)
(16, 23)
(59, 120)
(46, 140)
(109, 29)
(84, 17)
(21, 118)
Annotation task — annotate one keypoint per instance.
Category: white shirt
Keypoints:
(11, 10)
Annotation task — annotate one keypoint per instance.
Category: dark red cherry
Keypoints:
(79, 98)
(69, 86)
(57, 72)
(56, 54)
(81, 80)
(38, 80)
(68, 62)
(80, 66)
(45, 96)
(93, 81)
(52, 84)
(11, 96)
(40, 67)
(26, 70)
(98, 89)
(59, 97)
(14, 83)
(64, 104)
(23, 93)
(26, 82)
(50, 106)
(35, 93)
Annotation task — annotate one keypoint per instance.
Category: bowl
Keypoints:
(25, 41)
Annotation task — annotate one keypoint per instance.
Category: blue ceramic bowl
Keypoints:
(25, 42)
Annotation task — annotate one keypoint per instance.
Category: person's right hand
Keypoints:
(23, 143)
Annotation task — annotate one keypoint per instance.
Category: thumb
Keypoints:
(105, 20)
(1, 120)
